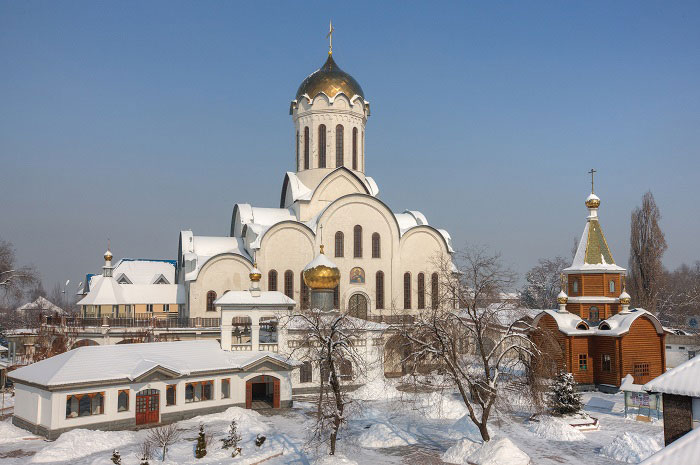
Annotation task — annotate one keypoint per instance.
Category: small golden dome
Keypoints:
(255, 274)
(562, 298)
(625, 298)
(331, 80)
(321, 273)
(593, 201)
(108, 256)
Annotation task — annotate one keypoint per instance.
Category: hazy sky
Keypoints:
(134, 120)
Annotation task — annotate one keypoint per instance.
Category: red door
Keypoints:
(248, 395)
(147, 406)
(276, 393)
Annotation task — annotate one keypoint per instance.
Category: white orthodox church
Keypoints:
(386, 259)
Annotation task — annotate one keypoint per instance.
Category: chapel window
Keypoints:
(583, 362)
(574, 286)
(612, 286)
(306, 148)
(339, 132)
(606, 363)
(211, 297)
(306, 373)
(322, 146)
(407, 290)
(289, 284)
(354, 149)
(304, 292)
(434, 290)
(376, 246)
(641, 370)
(421, 291)
(170, 394)
(272, 280)
(379, 287)
(357, 232)
(123, 400)
(339, 244)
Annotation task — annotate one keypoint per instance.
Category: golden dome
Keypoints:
(321, 273)
(593, 201)
(108, 256)
(255, 274)
(625, 298)
(562, 298)
(331, 80)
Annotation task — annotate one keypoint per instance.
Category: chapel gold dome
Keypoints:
(321, 273)
(593, 201)
(108, 256)
(331, 80)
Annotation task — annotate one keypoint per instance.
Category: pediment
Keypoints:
(267, 364)
(156, 373)
(337, 184)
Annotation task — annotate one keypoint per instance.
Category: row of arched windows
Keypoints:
(407, 294)
(339, 147)
(357, 243)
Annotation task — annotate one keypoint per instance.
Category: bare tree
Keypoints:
(472, 349)
(330, 343)
(543, 283)
(647, 246)
(14, 279)
(164, 437)
(679, 297)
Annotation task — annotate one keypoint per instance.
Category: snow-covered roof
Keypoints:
(683, 380)
(127, 362)
(145, 271)
(617, 325)
(248, 298)
(41, 303)
(684, 450)
(107, 291)
(593, 253)
(200, 249)
(3, 348)
(320, 260)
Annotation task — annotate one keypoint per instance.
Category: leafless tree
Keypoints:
(53, 340)
(164, 437)
(146, 451)
(330, 343)
(14, 279)
(647, 246)
(543, 283)
(679, 296)
(480, 348)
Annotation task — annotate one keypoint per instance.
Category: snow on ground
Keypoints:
(631, 448)
(287, 431)
(499, 451)
(555, 429)
(383, 435)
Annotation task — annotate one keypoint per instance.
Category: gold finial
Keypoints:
(321, 248)
(108, 254)
(255, 274)
(329, 36)
(592, 172)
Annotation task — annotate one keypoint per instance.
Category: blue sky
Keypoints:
(134, 120)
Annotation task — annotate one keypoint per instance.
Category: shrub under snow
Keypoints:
(555, 429)
(631, 448)
(79, 443)
(459, 452)
(499, 451)
(337, 459)
(380, 435)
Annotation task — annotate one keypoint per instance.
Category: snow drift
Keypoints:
(500, 451)
(79, 443)
(380, 435)
(631, 448)
(555, 429)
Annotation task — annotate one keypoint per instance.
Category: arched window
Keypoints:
(304, 292)
(354, 149)
(123, 401)
(272, 280)
(339, 244)
(306, 373)
(612, 286)
(357, 231)
(421, 291)
(407, 290)
(336, 297)
(306, 148)
(211, 297)
(379, 286)
(322, 146)
(574, 287)
(298, 150)
(346, 370)
(434, 290)
(289, 284)
(358, 306)
(376, 246)
(593, 314)
(339, 133)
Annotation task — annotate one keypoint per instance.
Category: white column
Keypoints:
(255, 332)
(226, 329)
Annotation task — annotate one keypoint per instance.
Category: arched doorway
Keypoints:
(84, 343)
(396, 352)
(357, 306)
(262, 392)
(147, 406)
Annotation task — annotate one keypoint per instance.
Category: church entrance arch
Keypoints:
(396, 352)
(262, 392)
(357, 306)
(147, 406)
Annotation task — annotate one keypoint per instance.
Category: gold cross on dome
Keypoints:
(329, 36)
(592, 172)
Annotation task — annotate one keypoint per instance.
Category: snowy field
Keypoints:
(428, 430)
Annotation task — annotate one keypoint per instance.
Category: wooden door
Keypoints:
(276, 393)
(248, 395)
(147, 407)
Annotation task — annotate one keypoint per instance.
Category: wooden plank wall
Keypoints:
(643, 345)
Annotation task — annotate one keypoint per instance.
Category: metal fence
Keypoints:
(134, 322)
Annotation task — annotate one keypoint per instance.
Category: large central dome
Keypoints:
(331, 80)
